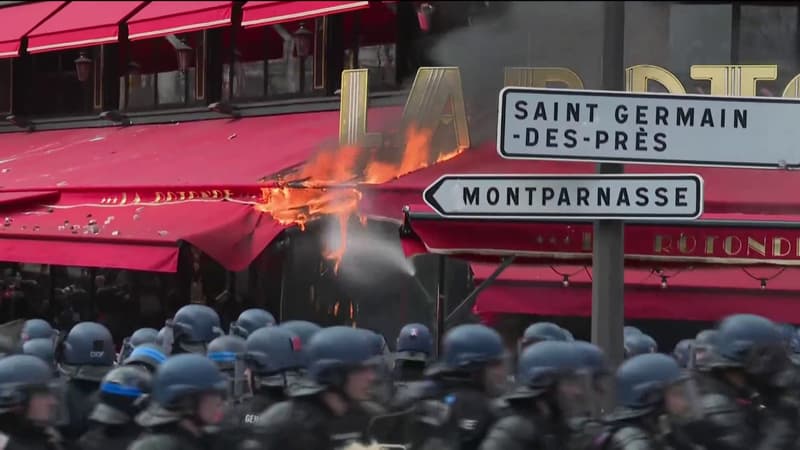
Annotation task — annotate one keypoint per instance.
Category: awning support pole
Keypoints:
(608, 250)
(470, 300)
(441, 303)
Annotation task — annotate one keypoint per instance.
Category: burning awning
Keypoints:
(162, 18)
(541, 290)
(257, 14)
(18, 21)
(127, 197)
(81, 24)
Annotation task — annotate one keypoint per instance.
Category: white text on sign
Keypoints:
(648, 128)
(589, 197)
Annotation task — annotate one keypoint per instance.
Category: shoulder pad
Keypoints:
(434, 412)
(275, 413)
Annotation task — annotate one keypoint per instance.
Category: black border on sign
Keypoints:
(501, 122)
(428, 197)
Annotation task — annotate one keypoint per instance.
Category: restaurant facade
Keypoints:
(140, 138)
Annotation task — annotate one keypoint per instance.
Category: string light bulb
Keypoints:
(663, 282)
(763, 283)
(565, 281)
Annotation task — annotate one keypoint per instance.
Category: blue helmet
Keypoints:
(790, 337)
(193, 327)
(148, 356)
(225, 351)
(302, 329)
(139, 337)
(541, 366)
(700, 354)
(628, 330)
(749, 342)
(120, 395)
(21, 375)
(186, 375)
(87, 352)
(414, 343)
(469, 347)
(639, 344)
(592, 358)
(682, 352)
(335, 351)
(543, 331)
(642, 380)
(35, 329)
(42, 348)
(250, 320)
(273, 351)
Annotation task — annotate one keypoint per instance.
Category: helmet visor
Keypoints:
(577, 396)
(682, 400)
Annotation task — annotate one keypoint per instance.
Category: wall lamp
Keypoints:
(83, 66)
(182, 50)
(225, 108)
(115, 116)
(21, 122)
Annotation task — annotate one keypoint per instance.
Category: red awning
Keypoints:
(539, 290)
(81, 24)
(126, 197)
(162, 18)
(257, 14)
(20, 20)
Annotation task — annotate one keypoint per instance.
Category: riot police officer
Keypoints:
(188, 397)
(42, 348)
(85, 356)
(653, 394)
(701, 349)
(146, 356)
(139, 337)
(456, 411)
(250, 320)
(553, 386)
(303, 329)
(629, 329)
(28, 404)
(37, 329)
(121, 399)
(541, 331)
(228, 353)
(192, 328)
(682, 352)
(639, 344)
(413, 351)
(744, 404)
(273, 356)
(584, 428)
(341, 372)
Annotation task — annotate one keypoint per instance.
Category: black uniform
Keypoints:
(81, 398)
(172, 437)
(459, 418)
(109, 437)
(525, 430)
(302, 423)
(20, 434)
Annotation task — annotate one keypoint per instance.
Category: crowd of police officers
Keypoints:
(299, 386)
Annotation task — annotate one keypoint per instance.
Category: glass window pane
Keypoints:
(768, 36)
(5, 85)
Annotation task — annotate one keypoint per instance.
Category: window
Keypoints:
(370, 42)
(267, 63)
(767, 35)
(153, 78)
(6, 75)
(56, 89)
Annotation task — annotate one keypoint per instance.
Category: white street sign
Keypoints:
(558, 197)
(624, 127)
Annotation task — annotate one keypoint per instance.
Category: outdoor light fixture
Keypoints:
(565, 281)
(424, 14)
(184, 53)
(115, 116)
(20, 122)
(763, 283)
(224, 108)
(302, 41)
(83, 66)
(663, 282)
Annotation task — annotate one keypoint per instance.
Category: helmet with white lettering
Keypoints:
(87, 352)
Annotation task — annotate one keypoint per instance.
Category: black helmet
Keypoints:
(87, 353)
(122, 392)
(642, 381)
(193, 327)
(752, 343)
(250, 320)
(20, 376)
(139, 337)
(36, 328)
(148, 356)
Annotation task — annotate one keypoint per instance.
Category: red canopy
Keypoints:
(691, 294)
(20, 20)
(127, 196)
(161, 18)
(81, 24)
(257, 14)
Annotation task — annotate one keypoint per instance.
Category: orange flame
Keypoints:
(327, 184)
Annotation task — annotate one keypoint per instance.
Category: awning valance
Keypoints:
(18, 21)
(256, 14)
(81, 24)
(162, 18)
